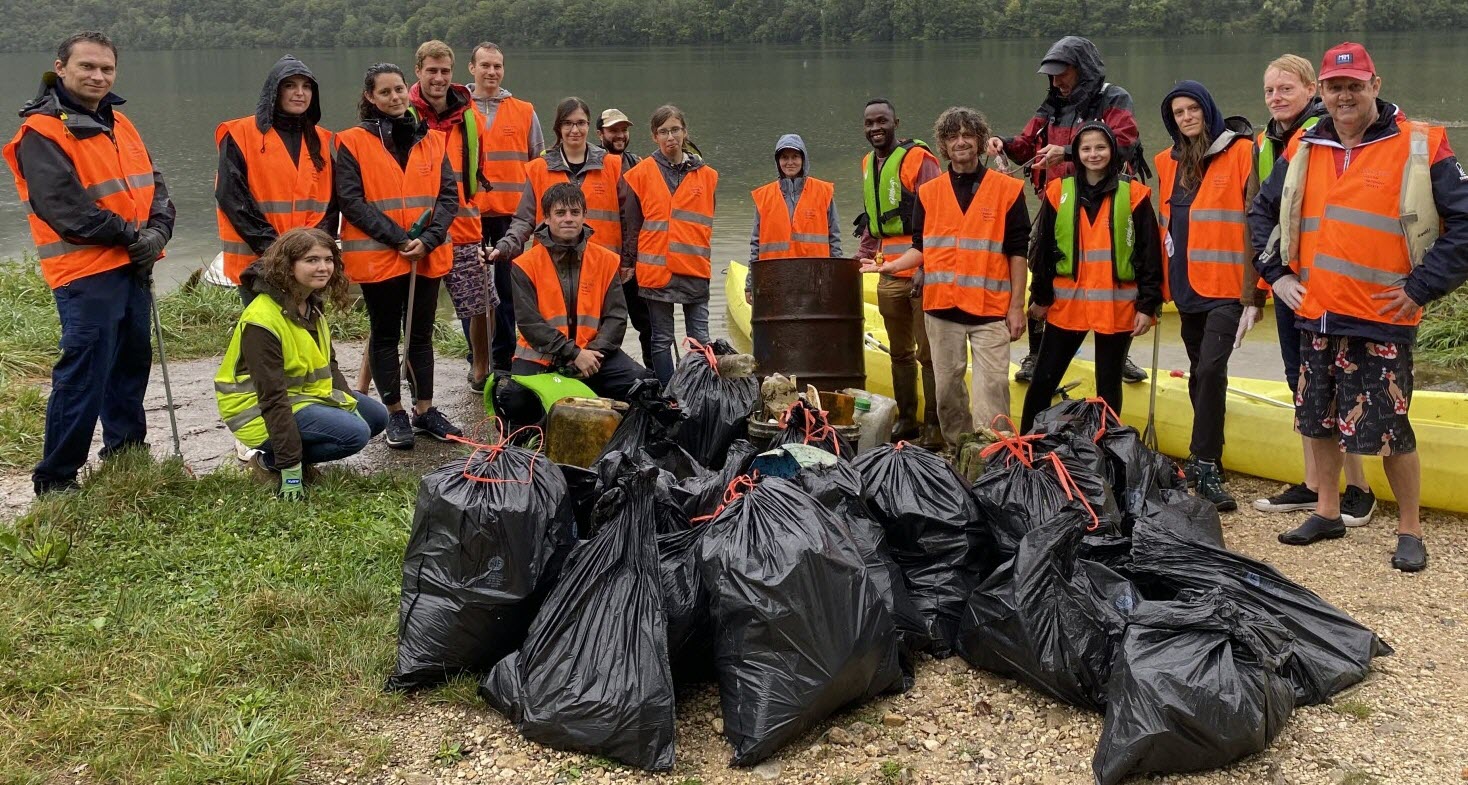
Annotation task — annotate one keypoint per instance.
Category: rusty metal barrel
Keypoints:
(807, 321)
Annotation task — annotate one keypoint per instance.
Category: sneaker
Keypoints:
(1313, 530)
(433, 423)
(1292, 499)
(399, 433)
(261, 473)
(1131, 374)
(906, 431)
(477, 385)
(46, 488)
(1026, 369)
(1190, 472)
(244, 452)
(1411, 554)
(1357, 506)
(1210, 487)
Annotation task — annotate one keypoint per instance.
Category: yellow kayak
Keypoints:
(1259, 432)
(869, 294)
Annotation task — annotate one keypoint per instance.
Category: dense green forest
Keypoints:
(194, 24)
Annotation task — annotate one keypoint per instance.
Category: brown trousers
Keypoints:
(902, 314)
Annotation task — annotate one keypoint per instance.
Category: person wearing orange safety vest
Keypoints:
(274, 170)
(100, 215)
(1371, 215)
(667, 233)
(891, 176)
(1097, 268)
(794, 216)
(398, 198)
(515, 139)
(572, 317)
(572, 160)
(970, 234)
(1204, 183)
(448, 107)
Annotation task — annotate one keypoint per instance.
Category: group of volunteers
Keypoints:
(1354, 216)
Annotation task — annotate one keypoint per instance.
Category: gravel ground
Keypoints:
(1406, 723)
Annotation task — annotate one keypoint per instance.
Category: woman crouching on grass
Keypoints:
(279, 388)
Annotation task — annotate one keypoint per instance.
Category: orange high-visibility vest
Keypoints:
(1351, 240)
(1093, 299)
(290, 194)
(116, 173)
(402, 195)
(506, 151)
(598, 268)
(964, 264)
(1218, 231)
(677, 228)
(893, 246)
(807, 233)
(466, 228)
(603, 214)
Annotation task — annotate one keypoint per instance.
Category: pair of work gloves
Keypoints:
(144, 253)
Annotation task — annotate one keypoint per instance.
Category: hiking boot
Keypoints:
(932, 439)
(260, 472)
(1131, 374)
(1357, 506)
(1314, 529)
(1026, 369)
(1292, 499)
(48, 487)
(399, 434)
(1411, 555)
(433, 423)
(906, 431)
(1190, 472)
(1210, 487)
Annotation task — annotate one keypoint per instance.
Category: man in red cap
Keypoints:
(1363, 221)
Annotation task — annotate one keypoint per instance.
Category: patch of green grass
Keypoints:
(1443, 337)
(449, 752)
(202, 631)
(890, 771)
(1353, 708)
(1359, 778)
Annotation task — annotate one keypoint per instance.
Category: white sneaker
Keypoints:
(243, 451)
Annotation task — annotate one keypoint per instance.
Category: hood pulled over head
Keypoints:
(283, 69)
(792, 142)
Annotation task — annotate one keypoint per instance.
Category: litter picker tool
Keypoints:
(163, 364)
(414, 232)
(1149, 434)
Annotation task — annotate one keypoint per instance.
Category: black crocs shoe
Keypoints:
(1411, 555)
(1313, 530)
(433, 423)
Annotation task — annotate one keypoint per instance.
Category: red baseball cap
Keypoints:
(1348, 60)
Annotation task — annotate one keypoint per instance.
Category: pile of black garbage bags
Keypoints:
(804, 579)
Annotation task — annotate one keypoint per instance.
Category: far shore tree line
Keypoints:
(200, 24)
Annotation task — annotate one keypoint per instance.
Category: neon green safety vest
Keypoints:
(307, 371)
(882, 193)
(1267, 155)
(1123, 235)
(471, 147)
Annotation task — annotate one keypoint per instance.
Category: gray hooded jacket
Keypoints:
(523, 224)
(792, 188)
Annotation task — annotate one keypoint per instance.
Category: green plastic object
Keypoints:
(548, 387)
(416, 230)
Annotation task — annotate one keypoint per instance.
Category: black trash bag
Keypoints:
(802, 631)
(1332, 650)
(1136, 473)
(932, 528)
(584, 489)
(1192, 517)
(1049, 619)
(593, 674)
(649, 432)
(488, 537)
(805, 424)
(837, 487)
(1023, 487)
(702, 494)
(718, 406)
(1196, 685)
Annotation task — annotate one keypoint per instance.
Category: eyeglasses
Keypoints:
(669, 132)
(576, 124)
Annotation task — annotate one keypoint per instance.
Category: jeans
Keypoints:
(695, 323)
(1209, 338)
(1056, 351)
(637, 314)
(106, 356)
(387, 305)
(330, 434)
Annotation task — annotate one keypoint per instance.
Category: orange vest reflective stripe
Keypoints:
(964, 265)
(1351, 240)
(290, 194)
(677, 228)
(506, 151)
(598, 269)
(116, 173)
(603, 214)
(402, 195)
(1218, 230)
(1094, 299)
(466, 229)
(912, 163)
(807, 233)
